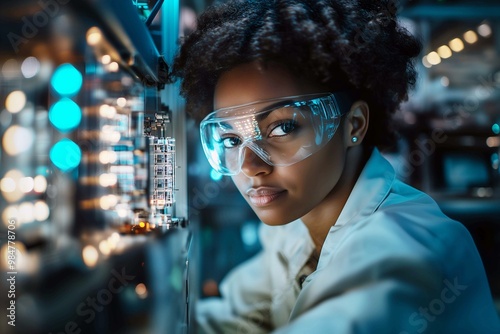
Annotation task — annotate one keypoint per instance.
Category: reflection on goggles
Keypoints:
(280, 131)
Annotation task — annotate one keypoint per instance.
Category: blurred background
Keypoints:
(112, 219)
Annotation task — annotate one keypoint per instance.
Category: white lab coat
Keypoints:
(392, 263)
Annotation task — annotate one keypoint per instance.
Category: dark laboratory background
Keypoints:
(112, 219)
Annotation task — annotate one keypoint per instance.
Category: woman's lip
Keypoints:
(262, 196)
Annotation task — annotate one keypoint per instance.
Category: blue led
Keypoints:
(65, 155)
(496, 128)
(67, 80)
(65, 115)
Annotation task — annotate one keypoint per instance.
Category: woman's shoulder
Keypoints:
(409, 210)
(410, 226)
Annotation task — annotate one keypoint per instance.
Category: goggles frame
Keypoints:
(329, 107)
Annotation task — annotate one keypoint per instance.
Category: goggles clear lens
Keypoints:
(281, 131)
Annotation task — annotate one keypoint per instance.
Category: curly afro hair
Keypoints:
(344, 44)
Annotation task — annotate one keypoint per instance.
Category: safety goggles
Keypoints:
(281, 131)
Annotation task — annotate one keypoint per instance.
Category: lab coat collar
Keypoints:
(370, 190)
(372, 187)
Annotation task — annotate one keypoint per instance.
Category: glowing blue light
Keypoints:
(496, 128)
(250, 234)
(65, 155)
(42, 170)
(65, 114)
(67, 80)
(214, 175)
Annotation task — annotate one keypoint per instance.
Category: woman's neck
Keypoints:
(325, 215)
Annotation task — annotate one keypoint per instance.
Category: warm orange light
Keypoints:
(493, 141)
(456, 45)
(90, 256)
(141, 290)
(433, 58)
(94, 36)
(470, 37)
(15, 101)
(444, 52)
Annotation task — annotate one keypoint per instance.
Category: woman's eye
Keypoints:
(230, 142)
(283, 129)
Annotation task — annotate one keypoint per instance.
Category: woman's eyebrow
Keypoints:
(226, 126)
(272, 108)
(258, 118)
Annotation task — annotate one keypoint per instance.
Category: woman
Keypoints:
(296, 98)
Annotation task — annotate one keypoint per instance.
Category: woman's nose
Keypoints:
(252, 165)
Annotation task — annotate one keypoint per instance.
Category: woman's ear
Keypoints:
(357, 120)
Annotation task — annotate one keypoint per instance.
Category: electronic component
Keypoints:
(89, 170)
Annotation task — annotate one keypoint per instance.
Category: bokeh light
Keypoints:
(65, 155)
(26, 212)
(9, 185)
(107, 111)
(108, 157)
(495, 128)
(108, 201)
(30, 67)
(425, 62)
(10, 69)
(141, 290)
(433, 58)
(484, 30)
(42, 211)
(107, 179)
(15, 101)
(94, 36)
(10, 213)
(445, 81)
(65, 115)
(470, 37)
(444, 52)
(26, 184)
(67, 80)
(456, 45)
(106, 59)
(104, 247)
(90, 255)
(121, 102)
(113, 67)
(40, 184)
(17, 140)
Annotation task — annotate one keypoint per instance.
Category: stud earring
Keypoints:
(354, 139)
